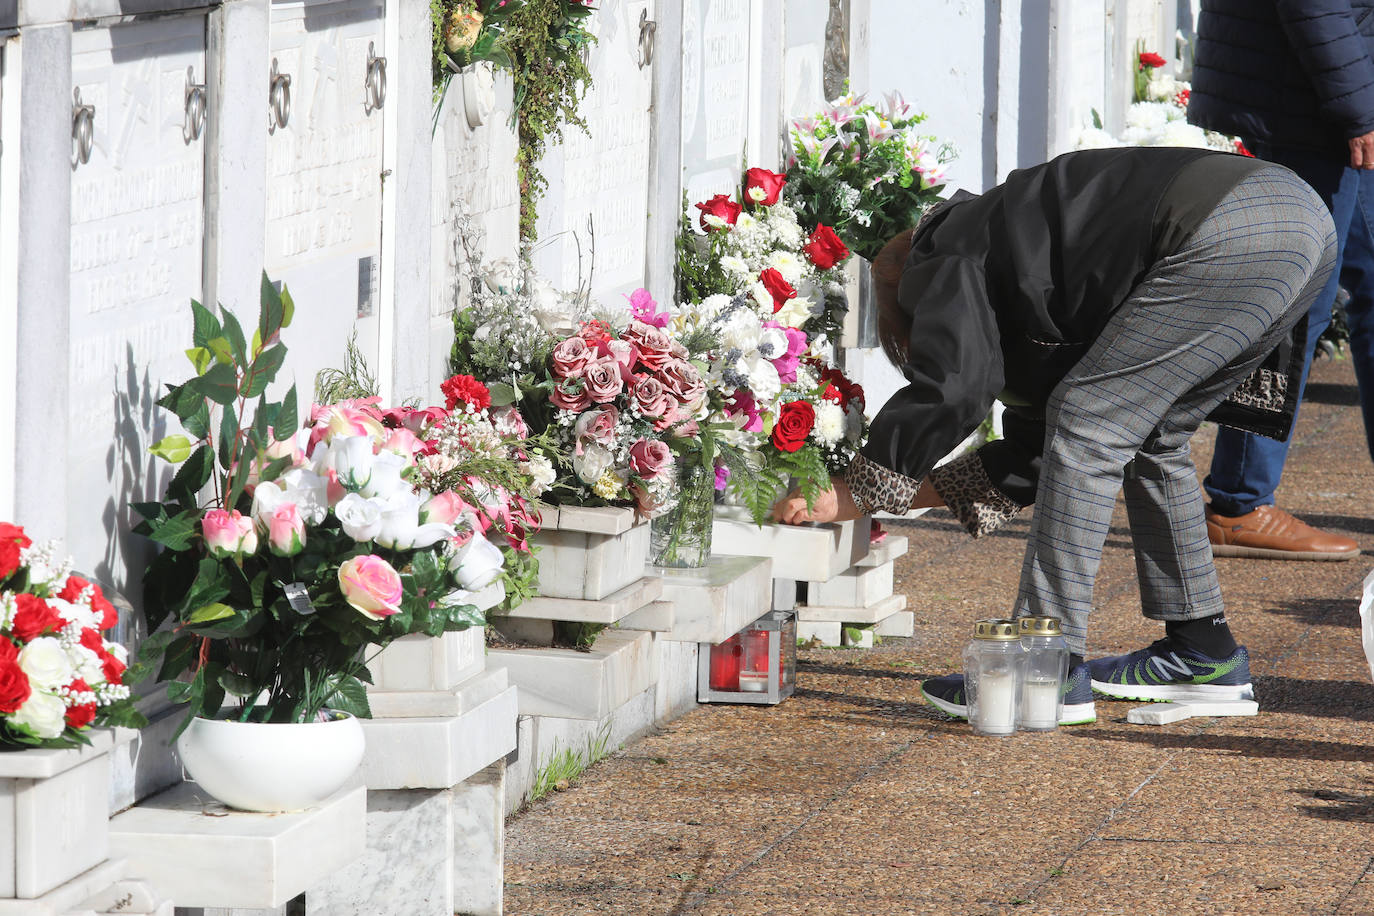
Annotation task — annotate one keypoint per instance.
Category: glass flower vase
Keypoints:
(681, 536)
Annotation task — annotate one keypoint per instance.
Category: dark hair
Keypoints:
(894, 325)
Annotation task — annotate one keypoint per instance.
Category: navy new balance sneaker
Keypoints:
(1164, 672)
(946, 694)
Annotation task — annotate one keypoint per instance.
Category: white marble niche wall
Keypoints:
(137, 229)
(473, 178)
(324, 185)
(593, 218)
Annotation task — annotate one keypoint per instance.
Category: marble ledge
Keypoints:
(566, 683)
(607, 610)
(885, 608)
(656, 617)
(202, 854)
(589, 520)
(440, 752)
(715, 602)
(858, 586)
(44, 763)
(886, 550)
(808, 552)
(901, 624)
(451, 701)
(71, 895)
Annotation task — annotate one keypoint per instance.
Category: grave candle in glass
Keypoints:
(1047, 665)
(753, 674)
(725, 664)
(993, 665)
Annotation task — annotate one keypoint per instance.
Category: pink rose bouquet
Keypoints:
(59, 674)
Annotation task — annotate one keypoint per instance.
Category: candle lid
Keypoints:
(1039, 626)
(995, 629)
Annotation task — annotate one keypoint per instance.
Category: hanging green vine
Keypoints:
(547, 41)
(543, 44)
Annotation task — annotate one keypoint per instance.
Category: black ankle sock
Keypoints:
(1209, 636)
(1074, 661)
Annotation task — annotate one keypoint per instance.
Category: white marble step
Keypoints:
(580, 685)
(809, 553)
(202, 854)
(887, 550)
(873, 613)
(610, 609)
(715, 602)
(858, 586)
(420, 662)
(440, 751)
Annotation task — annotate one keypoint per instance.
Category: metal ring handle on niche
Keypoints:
(83, 128)
(279, 100)
(194, 124)
(647, 30)
(375, 83)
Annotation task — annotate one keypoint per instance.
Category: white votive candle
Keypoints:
(994, 709)
(753, 681)
(1039, 704)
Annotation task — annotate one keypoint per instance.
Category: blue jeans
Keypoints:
(1246, 467)
(1357, 276)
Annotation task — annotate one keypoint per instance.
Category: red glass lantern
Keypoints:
(756, 665)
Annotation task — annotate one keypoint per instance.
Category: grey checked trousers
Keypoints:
(1185, 337)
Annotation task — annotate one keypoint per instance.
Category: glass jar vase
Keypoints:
(681, 536)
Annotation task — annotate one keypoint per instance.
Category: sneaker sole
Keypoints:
(1270, 553)
(1078, 714)
(1176, 693)
(946, 707)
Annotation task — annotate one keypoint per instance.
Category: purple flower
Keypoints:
(722, 477)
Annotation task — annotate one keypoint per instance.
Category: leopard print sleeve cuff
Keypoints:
(971, 496)
(876, 488)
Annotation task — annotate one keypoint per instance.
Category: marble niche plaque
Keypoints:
(716, 43)
(596, 207)
(324, 183)
(137, 224)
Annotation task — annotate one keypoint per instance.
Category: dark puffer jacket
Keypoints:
(1287, 72)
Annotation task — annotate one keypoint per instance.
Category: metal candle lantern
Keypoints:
(756, 665)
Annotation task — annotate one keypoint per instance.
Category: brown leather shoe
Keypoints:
(1272, 534)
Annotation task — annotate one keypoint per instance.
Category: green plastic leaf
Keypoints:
(351, 696)
(210, 613)
(198, 423)
(503, 394)
(220, 384)
(175, 532)
(234, 332)
(228, 438)
(264, 370)
(270, 311)
(288, 308)
(173, 449)
(192, 475)
(207, 326)
(200, 358)
(220, 347)
(182, 400)
(286, 421)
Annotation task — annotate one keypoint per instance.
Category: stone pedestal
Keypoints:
(203, 854)
(566, 683)
(858, 605)
(814, 553)
(715, 602)
(589, 554)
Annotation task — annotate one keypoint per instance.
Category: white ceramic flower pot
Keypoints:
(276, 766)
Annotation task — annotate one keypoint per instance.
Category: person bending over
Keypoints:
(1113, 299)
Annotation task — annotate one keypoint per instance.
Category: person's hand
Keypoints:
(1362, 151)
(833, 505)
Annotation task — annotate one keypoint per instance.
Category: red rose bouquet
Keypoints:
(59, 675)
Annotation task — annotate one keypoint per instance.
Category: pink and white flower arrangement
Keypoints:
(59, 674)
(866, 170)
(289, 548)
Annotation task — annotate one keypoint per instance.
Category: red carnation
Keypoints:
(763, 187)
(794, 424)
(1151, 59)
(824, 248)
(109, 614)
(83, 715)
(725, 210)
(1240, 148)
(14, 533)
(14, 683)
(464, 389)
(72, 588)
(832, 394)
(33, 618)
(780, 289)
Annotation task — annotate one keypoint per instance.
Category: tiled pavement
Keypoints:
(855, 798)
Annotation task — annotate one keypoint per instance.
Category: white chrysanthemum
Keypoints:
(1181, 133)
(829, 428)
(762, 376)
(1147, 117)
(1162, 88)
(1094, 138)
(741, 331)
(734, 265)
(541, 471)
(788, 264)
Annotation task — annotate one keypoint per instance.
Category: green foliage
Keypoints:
(354, 380)
(465, 32)
(566, 765)
(236, 628)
